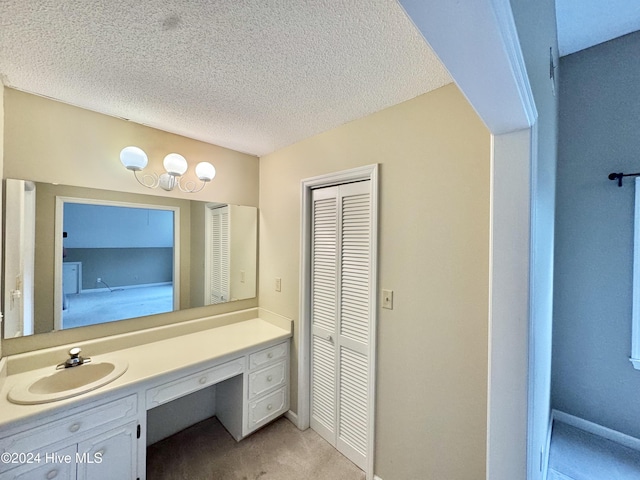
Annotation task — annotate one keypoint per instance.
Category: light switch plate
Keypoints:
(278, 284)
(387, 299)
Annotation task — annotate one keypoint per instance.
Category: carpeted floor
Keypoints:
(579, 455)
(279, 451)
(89, 308)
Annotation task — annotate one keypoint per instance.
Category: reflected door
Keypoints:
(19, 258)
(218, 256)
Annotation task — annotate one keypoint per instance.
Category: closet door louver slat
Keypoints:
(323, 313)
(353, 400)
(323, 383)
(323, 282)
(356, 245)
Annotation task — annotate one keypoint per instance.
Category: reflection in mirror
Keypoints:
(19, 244)
(209, 259)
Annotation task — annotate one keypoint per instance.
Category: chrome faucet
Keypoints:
(74, 360)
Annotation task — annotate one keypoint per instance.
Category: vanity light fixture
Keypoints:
(134, 159)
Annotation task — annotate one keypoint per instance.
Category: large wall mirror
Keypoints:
(79, 256)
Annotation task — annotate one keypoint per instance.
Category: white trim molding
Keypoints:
(509, 292)
(596, 429)
(486, 62)
(635, 316)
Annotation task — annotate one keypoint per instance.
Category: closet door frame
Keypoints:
(368, 172)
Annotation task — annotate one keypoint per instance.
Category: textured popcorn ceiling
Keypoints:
(253, 76)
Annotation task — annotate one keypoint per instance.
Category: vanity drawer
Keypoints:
(268, 355)
(70, 427)
(266, 379)
(191, 383)
(266, 408)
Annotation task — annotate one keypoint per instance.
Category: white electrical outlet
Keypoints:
(278, 284)
(387, 299)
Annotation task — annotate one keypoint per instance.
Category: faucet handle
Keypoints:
(74, 359)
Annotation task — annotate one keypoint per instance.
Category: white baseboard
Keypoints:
(594, 428)
(122, 287)
(292, 417)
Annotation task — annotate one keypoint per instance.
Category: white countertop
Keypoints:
(148, 363)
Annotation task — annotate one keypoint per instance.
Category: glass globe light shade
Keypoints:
(167, 182)
(175, 164)
(133, 158)
(205, 171)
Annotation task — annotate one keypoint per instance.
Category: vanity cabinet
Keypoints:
(251, 390)
(93, 443)
(46, 471)
(244, 364)
(110, 455)
(267, 394)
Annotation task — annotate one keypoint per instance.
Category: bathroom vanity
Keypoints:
(101, 434)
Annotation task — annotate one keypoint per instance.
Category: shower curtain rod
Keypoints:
(618, 176)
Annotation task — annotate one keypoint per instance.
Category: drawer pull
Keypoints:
(74, 428)
(269, 407)
(202, 380)
(270, 355)
(269, 378)
(52, 474)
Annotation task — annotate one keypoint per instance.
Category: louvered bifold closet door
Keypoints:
(324, 311)
(341, 312)
(354, 321)
(218, 255)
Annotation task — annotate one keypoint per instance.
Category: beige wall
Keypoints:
(434, 161)
(51, 142)
(244, 238)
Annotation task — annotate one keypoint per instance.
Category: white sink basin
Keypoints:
(66, 383)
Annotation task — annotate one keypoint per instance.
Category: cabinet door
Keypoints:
(110, 455)
(60, 465)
